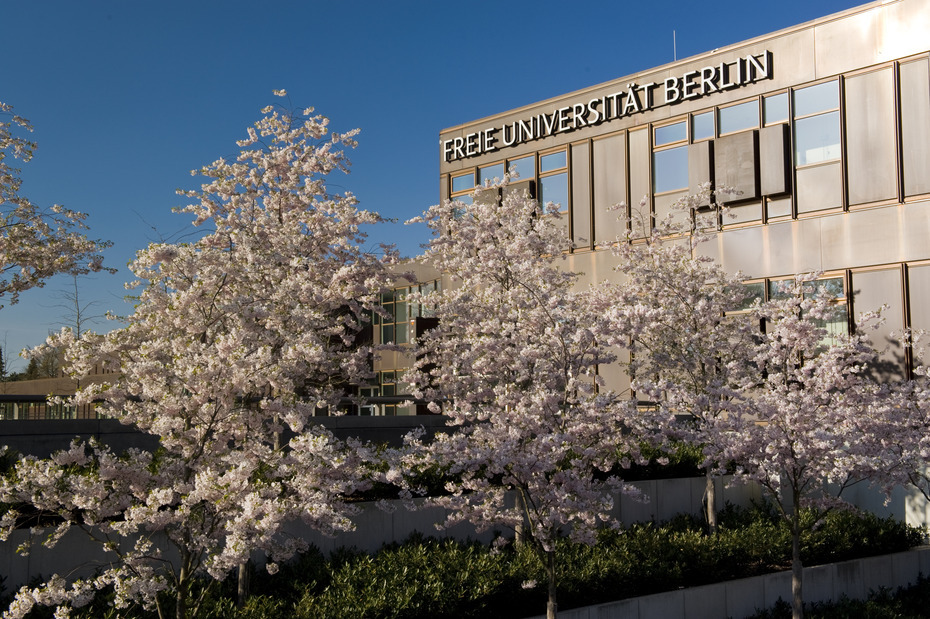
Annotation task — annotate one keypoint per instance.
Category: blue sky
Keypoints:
(128, 97)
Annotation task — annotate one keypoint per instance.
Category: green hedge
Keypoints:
(425, 577)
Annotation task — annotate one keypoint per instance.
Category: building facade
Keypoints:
(823, 128)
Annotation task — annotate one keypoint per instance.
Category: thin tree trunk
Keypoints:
(797, 569)
(710, 491)
(242, 589)
(180, 598)
(552, 607)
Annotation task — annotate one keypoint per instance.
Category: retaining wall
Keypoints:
(744, 597)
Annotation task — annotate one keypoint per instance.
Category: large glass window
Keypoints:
(739, 117)
(670, 169)
(837, 323)
(702, 126)
(524, 167)
(553, 181)
(554, 189)
(552, 161)
(490, 173)
(819, 175)
(775, 108)
(817, 124)
(394, 325)
(465, 182)
(670, 158)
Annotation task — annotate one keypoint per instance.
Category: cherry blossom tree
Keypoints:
(686, 357)
(814, 424)
(237, 341)
(35, 243)
(513, 364)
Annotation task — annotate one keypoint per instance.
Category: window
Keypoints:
(816, 124)
(670, 158)
(465, 182)
(819, 175)
(738, 117)
(394, 325)
(775, 109)
(837, 324)
(524, 167)
(462, 187)
(702, 126)
(491, 174)
(553, 179)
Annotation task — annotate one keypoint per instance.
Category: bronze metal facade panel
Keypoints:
(775, 250)
(819, 188)
(736, 164)
(915, 126)
(774, 161)
(918, 279)
(870, 291)
(700, 165)
(876, 236)
(581, 195)
(640, 163)
(847, 44)
(609, 186)
(871, 152)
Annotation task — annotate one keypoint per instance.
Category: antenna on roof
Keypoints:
(674, 47)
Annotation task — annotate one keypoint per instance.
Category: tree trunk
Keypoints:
(797, 569)
(552, 607)
(180, 598)
(242, 589)
(710, 492)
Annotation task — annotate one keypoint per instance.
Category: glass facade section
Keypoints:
(815, 99)
(491, 173)
(524, 167)
(670, 134)
(552, 161)
(670, 169)
(739, 117)
(817, 139)
(463, 183)
(702, 126)
(775, 108)
(554, 189)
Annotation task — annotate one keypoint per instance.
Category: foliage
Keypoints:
(513, 364)
(236, 338)
(685, 356)
(905, 603)
(425, 577)
(811, 425)
(35, 243)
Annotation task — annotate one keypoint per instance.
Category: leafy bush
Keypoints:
(426, 577)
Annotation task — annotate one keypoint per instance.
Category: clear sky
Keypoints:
(128, 96)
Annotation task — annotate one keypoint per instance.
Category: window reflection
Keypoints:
(702, 126)
(817, 138)
(525, 167)
(739, 117)
(491, 173)
(554, 189)
(463, 183)
(815, 99)
(670, 169)
(552, 161)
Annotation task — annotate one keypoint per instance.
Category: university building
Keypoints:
(823, 128)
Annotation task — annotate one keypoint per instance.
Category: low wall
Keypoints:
(77, 555)
(42, 437)
(745, 597)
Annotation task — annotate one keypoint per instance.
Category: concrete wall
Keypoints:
(42, 437)
(77, 554)
(744, 597)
